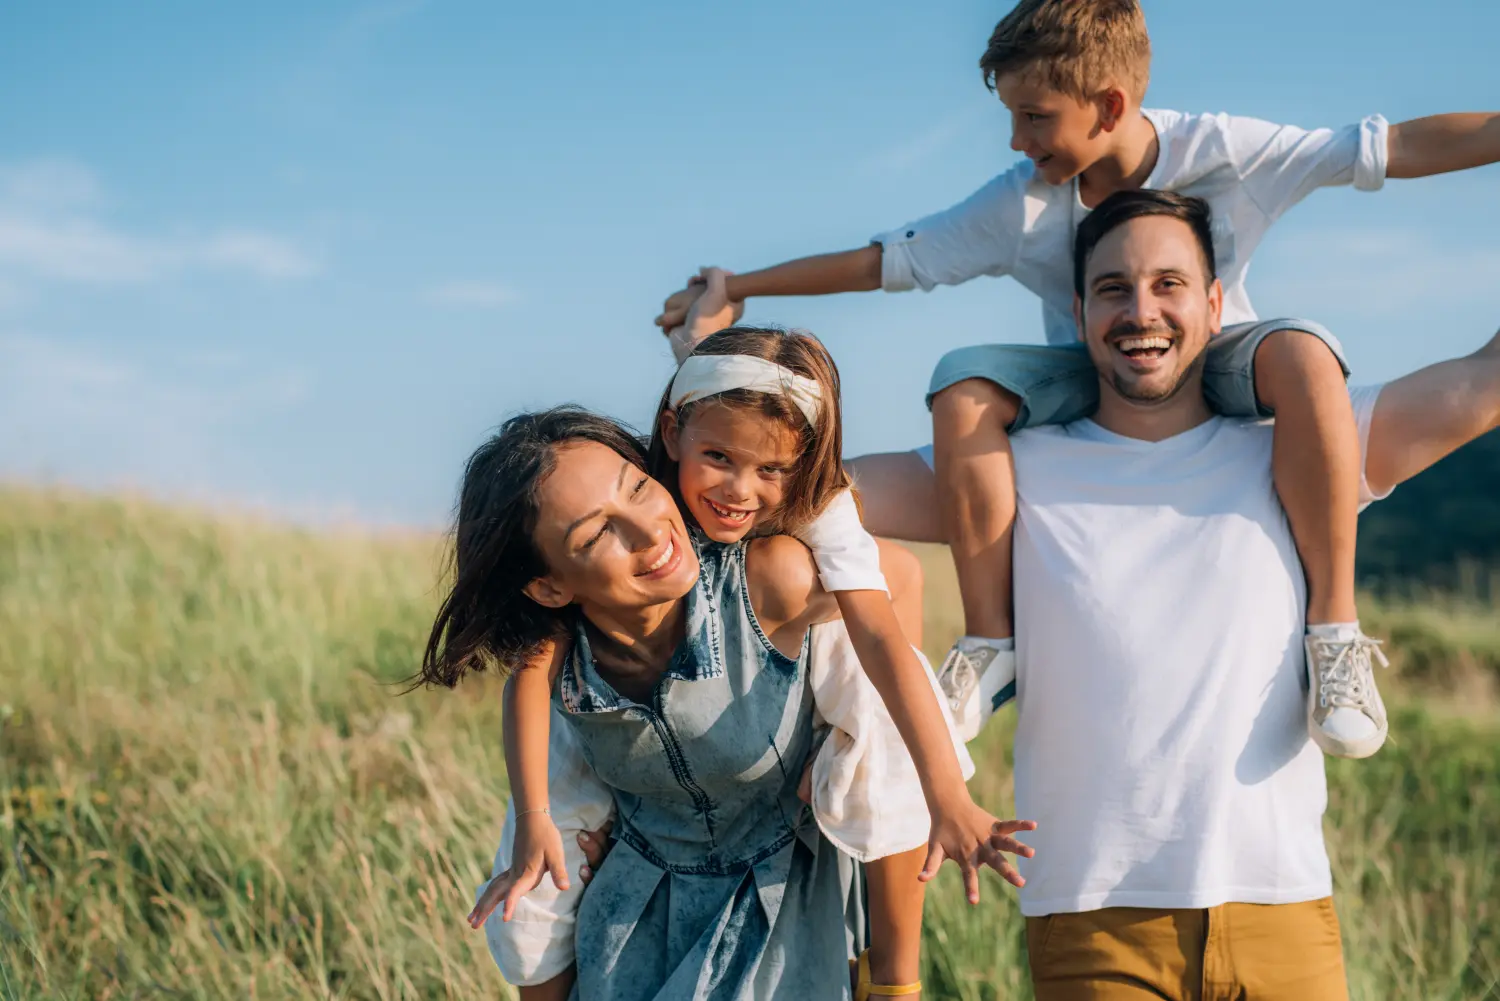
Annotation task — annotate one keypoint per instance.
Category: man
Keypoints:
(1161, 743)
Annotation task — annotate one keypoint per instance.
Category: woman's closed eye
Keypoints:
(593, 539)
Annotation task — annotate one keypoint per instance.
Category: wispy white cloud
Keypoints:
(478, 294)
(258, 254)
(917, 149)
(88, 416)
(48, 183)
(51, 228)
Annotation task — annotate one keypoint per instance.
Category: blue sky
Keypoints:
(301, 257)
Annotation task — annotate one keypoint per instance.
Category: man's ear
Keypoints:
(1078, 315)
(548, 593)
(671, 435)
(1215, 308)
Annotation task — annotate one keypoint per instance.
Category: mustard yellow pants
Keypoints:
(1234, 952)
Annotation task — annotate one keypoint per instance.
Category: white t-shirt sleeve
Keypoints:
(847, 556)
(1364, 399)
(981, 235)
(1280, 165)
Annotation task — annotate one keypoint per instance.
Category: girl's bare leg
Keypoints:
(896, 917)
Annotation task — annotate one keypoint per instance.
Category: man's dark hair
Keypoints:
(1123, 206)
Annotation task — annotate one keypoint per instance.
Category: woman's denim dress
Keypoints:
(719, 885)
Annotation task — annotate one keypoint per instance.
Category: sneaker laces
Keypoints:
(958, 677)
(1342, 683)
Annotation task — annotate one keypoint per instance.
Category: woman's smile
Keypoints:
(666, 562)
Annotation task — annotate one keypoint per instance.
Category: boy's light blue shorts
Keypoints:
(1058, 384)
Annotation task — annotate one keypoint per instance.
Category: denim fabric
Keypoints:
(719, 886)
(1059, 385)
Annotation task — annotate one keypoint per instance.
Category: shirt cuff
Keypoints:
(897, 273)
(1374, 151)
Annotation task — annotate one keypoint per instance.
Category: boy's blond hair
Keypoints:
(1075, 46)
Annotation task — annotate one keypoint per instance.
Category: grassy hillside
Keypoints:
(209, 788)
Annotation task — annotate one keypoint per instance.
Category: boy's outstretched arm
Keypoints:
(823, 274)
(1442, 143)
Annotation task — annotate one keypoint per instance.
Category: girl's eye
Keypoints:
(715, 456)
(773, 470)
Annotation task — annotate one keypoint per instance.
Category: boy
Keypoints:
(1073, 74)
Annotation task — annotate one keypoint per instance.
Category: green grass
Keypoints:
(209, 788)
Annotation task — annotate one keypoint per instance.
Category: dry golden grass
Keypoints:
(212, 790)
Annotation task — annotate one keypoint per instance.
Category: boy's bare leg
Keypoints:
(895, 897)
(976, 486)
(1422, 417)
(1316, 464)
(899, 496)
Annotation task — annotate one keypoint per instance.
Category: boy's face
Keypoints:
(1060, 134)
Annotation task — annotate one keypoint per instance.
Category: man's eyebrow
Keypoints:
(1120, 275)
(625, 467)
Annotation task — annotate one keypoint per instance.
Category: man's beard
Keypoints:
(1138, 393)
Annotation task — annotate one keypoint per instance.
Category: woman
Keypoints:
(687, 688)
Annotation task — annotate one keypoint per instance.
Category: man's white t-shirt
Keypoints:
(1161, 743)
(1249, 171)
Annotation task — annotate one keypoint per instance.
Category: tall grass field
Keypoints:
(211, 788)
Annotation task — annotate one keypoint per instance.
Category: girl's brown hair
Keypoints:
(819, 473)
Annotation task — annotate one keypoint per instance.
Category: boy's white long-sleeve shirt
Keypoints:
(1249, 171)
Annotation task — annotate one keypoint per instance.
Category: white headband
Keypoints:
(702, 376)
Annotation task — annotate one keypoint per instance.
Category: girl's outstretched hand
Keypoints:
(968, 835)
(538, 851)
(595, 845)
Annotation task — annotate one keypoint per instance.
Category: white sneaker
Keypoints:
(978, 678)
(1345, 714)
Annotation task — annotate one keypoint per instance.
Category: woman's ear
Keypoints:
(671, 435)
(548, 593)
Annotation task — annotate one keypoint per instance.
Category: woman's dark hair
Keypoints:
(487, 619)
(1123, 206)
(820, 472)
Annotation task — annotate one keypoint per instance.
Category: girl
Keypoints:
(748, 436)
